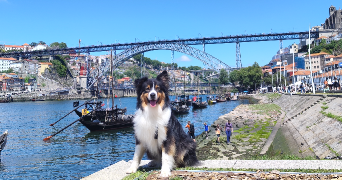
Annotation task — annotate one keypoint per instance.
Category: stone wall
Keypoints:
(314, 134)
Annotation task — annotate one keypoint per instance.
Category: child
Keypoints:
(218, 133)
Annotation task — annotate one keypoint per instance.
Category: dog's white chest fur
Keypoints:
(147, 122)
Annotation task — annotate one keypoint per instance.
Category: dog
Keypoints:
(157, 130)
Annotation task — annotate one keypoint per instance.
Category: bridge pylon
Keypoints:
(238, 56)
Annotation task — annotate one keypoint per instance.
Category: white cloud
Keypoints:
(184, 58)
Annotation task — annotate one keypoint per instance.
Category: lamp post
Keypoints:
(312, 83)
(293, 78)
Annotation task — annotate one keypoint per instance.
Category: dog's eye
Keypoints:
(147, 88)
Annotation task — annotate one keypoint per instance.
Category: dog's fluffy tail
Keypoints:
(191, 159)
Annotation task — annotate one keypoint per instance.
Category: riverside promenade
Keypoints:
(118, 171)
(300, 119)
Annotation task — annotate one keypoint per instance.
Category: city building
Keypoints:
(25, 67)
(39, 47)
(333, 58)
(5, 63)
(300, 62)
(317, 61)
(42, 66)
(25, 47)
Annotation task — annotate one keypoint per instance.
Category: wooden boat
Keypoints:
(221, 98)
(34, 99)
(3, 140)
(4, 101)
(211, 100)
(198, 104)
(234, 98)
(100, 119)
(188, 100)
(179, 107)
(228, 97)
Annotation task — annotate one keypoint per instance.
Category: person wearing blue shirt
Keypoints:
(206, 128)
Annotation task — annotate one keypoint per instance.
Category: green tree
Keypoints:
(117, 75)
(268, 79)
(234, 76)
(33, 44)
(41, 42)
(249, 77)
(61, 45)
(223, 78)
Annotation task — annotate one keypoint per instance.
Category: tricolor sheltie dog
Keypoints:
(157, 131)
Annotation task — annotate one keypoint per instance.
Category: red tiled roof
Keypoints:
(318, 54)
(14, 46)
(12, 59)
(332, 63)
(302, 73)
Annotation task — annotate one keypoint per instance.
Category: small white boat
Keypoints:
(3, 140)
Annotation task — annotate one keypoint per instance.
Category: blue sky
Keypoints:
(112, 21)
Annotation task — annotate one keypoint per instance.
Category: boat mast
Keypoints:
(184, 85)
(111, 73)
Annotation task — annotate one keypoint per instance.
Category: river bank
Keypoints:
(252, 124)
(311, 129)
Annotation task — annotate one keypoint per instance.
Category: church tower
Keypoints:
(332, 9)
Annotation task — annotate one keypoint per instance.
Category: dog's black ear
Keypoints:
(138, 83)
(164, 77)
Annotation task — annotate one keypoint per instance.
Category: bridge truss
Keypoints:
(190, 41)
(207, 59)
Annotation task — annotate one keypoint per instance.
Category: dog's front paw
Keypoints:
(154, 163)
(131, 170)
(165, 173)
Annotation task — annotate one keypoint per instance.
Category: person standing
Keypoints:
(229, 129)
(191, 130)
(206, 129)
(218, 133)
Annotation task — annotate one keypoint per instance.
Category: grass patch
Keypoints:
(332, 150)
(324, 103)
(339, 118)
(137, 175)
(244, 128)
(265, 108)
(324, 108)
(240, 136)
(272, 96)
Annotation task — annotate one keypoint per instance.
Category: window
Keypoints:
(317, 67)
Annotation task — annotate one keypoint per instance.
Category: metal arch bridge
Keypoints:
(207, 59)
(190, 41)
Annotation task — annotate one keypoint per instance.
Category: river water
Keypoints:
(74, 153)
